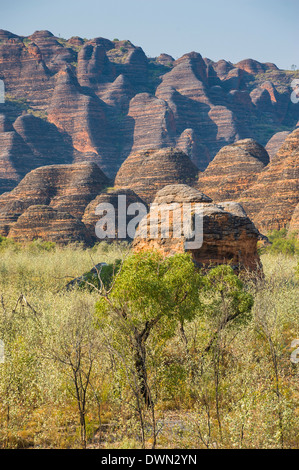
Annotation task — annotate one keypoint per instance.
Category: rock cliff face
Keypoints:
(81, 115)
(15, 156)
(146, 172)
(110, 100)
(228, 234)
(27, 144)
(104, 102)
(46, 143)
(271, 200)
(268, 191)
(233, 170)
(276, 141)
(152, 121)
(24, 71)
(66, 188)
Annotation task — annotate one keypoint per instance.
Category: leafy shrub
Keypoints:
(6, 243)
(282, 242)
(39, 245)
(105, 275)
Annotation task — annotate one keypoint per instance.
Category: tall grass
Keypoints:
(257, 386)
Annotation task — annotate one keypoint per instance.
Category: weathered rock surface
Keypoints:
(294, 223)
(119, 93)
(173, 193)
(233, 170)
(151, 121)
(54, 54)
(228, 234)
(93, 66)
(66, 188)
(165, 59)
(272, 198)
(47, 144)
(261, 99)
(44, 222)
(27, 144)
(24, 70)
(189, 143)
(186, 90)
(120, 200)
(106, 101)
(276, 141)
(81, 115)
(15, 156)
(216, 103)
(146, 172)
(251, 66)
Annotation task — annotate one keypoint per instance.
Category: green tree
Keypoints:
(148, 291)
(227, 306)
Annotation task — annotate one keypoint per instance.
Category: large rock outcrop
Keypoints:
(24, 71)
(66, 188)
(120, 200)
(228, 234)
(233, 170)
(106, 101)
(276, 141)
(151, 122)
(29, 143)
(46, 223)
(47, 144)
(15, 156)
(272, 198)
(82, 116)
(148, 171)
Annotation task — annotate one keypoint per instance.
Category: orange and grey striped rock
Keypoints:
(66, 188)
(276, 141)
(229, 236)
(233, 170)
(81, 115)
(271, 200)
(15, 156)
(90, 218)
(24, 71)
(149, 124)
(105, 101)
(29, 143)
(147, 172)
(44, 222)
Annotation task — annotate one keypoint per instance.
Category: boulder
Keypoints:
(229, 236)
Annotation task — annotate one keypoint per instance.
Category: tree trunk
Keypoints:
(140, 366)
